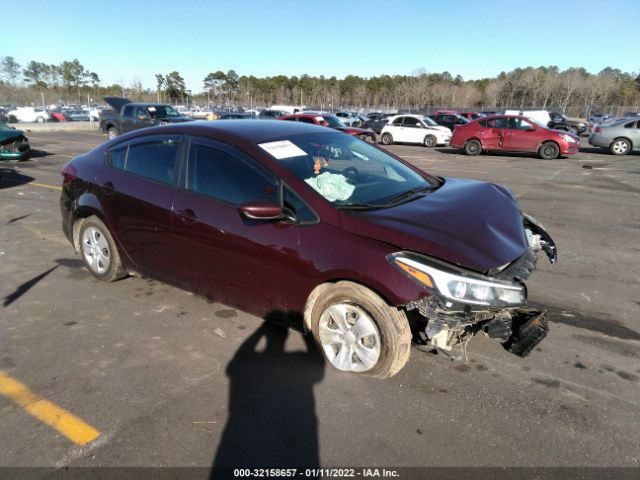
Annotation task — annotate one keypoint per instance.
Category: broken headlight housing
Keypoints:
(456, 285)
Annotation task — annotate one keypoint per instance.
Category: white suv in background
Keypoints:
(30, 114)
(414, 129)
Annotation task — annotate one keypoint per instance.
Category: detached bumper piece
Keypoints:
(529, 327)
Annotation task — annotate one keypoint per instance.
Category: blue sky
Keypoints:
(126, 39)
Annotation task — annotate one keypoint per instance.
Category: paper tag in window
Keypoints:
(282, 149)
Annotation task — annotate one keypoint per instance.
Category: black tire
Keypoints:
(472, 148)
(112, 267)
(549, 151)
(391, 323)
(430, 141)
(39, 119)
(387, 139)
(112, 133)
(575, 130)
(620, 146)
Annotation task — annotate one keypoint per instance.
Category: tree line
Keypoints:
(574, 90)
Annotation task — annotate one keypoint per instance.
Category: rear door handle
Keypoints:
(108, 188)
(187, 216)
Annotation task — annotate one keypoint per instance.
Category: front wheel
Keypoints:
(472, 148)
(387, 139)
(430, 141)
(620, 146)
(358, 332)
(112, 133)
(549, 151)
(575, 131)
(99, 251)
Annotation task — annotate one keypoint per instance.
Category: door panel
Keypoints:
(253, 265)
(520, 136)
(136, 192)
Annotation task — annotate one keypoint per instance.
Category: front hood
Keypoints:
(475, 225)
(10, 134)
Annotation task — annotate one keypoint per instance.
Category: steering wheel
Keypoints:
(351, 172)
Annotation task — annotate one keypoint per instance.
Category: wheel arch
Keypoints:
(322, 287)
(622, 137)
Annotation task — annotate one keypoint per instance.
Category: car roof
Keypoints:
(237, 131)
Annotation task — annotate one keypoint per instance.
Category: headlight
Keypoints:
(460, 286)
(569, 138)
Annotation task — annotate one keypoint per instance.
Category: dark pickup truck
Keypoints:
(128, 116)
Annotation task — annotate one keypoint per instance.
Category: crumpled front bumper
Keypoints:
(519, 329)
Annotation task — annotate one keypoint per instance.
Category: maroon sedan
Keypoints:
(273, 216)
(332, 121)
(513, 134)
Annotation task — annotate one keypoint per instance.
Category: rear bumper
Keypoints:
(599, 140)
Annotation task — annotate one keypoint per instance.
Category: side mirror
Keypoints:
(262, 210)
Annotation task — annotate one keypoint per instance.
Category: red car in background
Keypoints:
(508, 133)
(331, 121)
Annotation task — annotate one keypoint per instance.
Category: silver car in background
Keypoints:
(620, 137)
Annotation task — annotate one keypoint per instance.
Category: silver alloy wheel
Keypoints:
(620, 146)
(349, 337)
(95, 249)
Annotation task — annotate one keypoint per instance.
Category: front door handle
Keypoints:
(187, 216)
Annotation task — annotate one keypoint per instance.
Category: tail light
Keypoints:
(598, 130)
(68, 173)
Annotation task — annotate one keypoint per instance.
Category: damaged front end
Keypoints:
(14, 145)
(464, 303)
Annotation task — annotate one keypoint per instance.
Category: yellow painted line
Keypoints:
(47, 412)
(35, 184)
(44, 185)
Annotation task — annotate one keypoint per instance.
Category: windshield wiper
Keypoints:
(359, 206)
(409, 193)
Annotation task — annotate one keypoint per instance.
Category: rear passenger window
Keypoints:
(218, 175)
(117, 158)
(154, 160)
(306, 120)
(398, 121)
(630, 125)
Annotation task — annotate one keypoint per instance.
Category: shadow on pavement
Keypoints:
(11, 178)
(25, 287)
(272, 420)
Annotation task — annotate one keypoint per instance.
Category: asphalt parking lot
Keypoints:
(152, 375)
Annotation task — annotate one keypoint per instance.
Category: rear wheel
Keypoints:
(620, 146)
(430, 141)
(40, 119)
(387, 139)
(549, 151)
(472, 148)
(358, 332)
(99, 251)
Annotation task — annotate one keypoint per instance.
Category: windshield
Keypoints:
(429, 122)
(162, 111)
(347, 171)
(333, 121)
